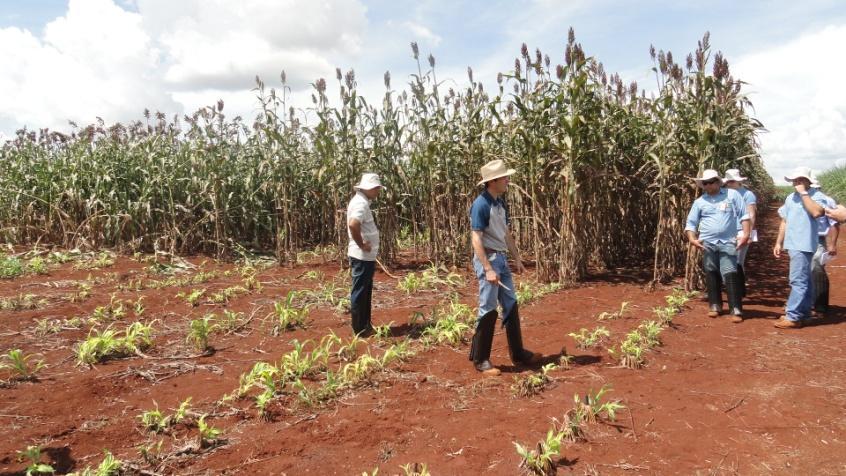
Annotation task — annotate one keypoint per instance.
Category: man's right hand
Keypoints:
(697, 243)
(491, 276)
(777, 250)
(365, 246)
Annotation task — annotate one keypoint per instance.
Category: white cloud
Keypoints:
(95, 61)
(417, 32)
(100, 59)
(798, 92)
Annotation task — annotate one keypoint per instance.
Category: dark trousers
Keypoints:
(361, 294)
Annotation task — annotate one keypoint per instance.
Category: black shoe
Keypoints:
(486, 368)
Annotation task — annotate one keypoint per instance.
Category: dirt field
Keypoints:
(715, 398)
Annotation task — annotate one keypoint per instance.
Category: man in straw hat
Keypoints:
(797, 234)
(715, 216)
(491, 238)
(828, 230)
(734, 181)
(362, 251)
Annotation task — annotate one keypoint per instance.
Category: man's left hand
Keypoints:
(800, 188)
(832, 250)
(742, 241)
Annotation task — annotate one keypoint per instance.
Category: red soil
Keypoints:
(716, 398)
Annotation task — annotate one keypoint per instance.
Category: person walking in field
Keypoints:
(491, 239)
(712, 227)
(798, 234)
(734, 181)
(828, 230)
(362, 251)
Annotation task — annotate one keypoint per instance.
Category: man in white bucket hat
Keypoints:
(797, 234)
(712, 227)
(827, 230)
(491, 238)
(362, 251)
(734, 181)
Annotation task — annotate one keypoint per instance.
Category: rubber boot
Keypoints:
(820, 278)
(715, 300)
(519, 355)
(480, 348)
(734, 298)
(359, 323)
(741, 276)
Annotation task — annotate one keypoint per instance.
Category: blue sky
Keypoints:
(80, 59)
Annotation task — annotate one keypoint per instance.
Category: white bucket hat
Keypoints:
(494, 170)
(798, 172)
(369, 182)
(733, 175)
(707, 175)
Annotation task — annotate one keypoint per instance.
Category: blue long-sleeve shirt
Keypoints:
(749, 198)
(717, 216)
(824, 223)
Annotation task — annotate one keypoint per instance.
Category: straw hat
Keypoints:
(799, 172)
(733, 175)
(369, 182)
(707, 175)
(494, 170)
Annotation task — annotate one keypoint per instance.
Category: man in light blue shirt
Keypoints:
(828, 230)
(714, 216)
(797, 234)
(734, 181)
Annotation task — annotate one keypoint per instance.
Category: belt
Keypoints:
(489, 251)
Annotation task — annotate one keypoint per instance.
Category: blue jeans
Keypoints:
(361, 294)
(801, 286)
(490, 294)
(720, 257)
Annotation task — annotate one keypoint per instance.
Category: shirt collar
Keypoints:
(362, 195)
(489, 198)
(718, 194)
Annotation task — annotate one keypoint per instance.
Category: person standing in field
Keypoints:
(712, 227)
(828, 230)
(362, 251)
(491, 239)
(734, 181)
(798, 234)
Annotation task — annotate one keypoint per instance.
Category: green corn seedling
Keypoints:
(32, 454)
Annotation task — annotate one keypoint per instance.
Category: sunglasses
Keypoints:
(709, 182)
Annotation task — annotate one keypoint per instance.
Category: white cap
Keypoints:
(798, 172)
(369, 182)
(707, 175)
(733, 175)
